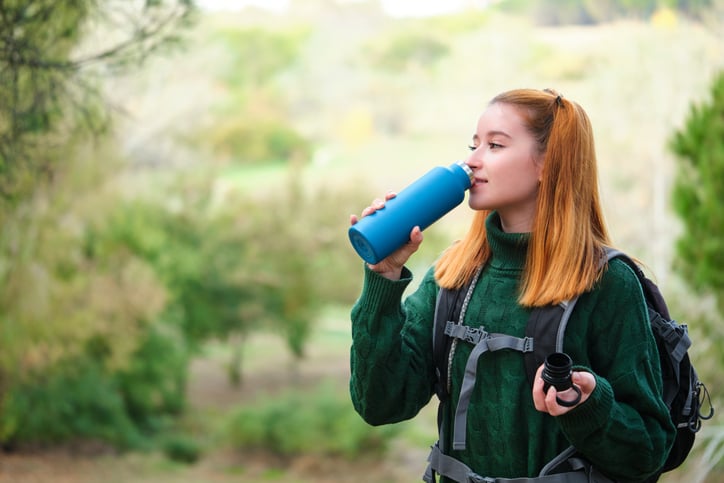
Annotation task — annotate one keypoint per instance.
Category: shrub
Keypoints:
(320, 422)
(74, 400)
(182, 448)
(154, 384)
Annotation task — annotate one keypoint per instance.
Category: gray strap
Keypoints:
(493, 342)
(447, 466)
(464, 332)
(558, 460)
(458, 471)
(496, 341)
(678, 352)
(567, 311)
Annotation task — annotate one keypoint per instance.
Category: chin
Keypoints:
(477, 205)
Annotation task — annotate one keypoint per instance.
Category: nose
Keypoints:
(475, 159)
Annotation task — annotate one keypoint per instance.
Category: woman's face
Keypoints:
(507, 167)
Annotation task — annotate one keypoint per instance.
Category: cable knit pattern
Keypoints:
(624, 427)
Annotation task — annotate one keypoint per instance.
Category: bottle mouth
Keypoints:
(467, 170)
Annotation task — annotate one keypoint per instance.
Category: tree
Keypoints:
(698, 193)
(74, 334)
(47, 72)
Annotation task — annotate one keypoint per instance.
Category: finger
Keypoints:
(552, 406)
(390, 195)
(584, 380)
(538, 393)
(416, 235)
(368, 211)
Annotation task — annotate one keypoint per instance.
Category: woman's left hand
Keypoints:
(546, 402)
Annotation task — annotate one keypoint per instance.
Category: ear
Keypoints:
(538, 163)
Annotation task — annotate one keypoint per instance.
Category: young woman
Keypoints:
(536, 239)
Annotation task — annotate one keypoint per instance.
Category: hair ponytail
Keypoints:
(568, 228)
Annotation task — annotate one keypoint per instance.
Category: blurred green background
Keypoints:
(176, 180)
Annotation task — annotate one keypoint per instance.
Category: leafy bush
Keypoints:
(319, 422)
(182, 448)
(153, 386)
(84, 398)
(246, 139)
(75, 400)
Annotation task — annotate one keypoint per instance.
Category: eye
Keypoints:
(494, 145)
(472, 147)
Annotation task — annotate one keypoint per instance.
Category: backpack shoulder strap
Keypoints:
(653, 295)
(547, 327)
(447, 307)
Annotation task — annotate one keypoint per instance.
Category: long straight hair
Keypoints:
(569, 230)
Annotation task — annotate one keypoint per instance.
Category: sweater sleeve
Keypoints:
(624, 427)
(392, 374)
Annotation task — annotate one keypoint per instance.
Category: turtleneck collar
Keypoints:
(508, 249)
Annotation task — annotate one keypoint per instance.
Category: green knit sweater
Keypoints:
(624, 427)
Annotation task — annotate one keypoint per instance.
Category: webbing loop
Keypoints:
(492, 342)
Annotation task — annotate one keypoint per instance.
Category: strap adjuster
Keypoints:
(528, 344)
(476, 478)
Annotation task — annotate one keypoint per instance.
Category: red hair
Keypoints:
(569, 230)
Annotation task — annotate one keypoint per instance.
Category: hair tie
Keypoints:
(559, 98)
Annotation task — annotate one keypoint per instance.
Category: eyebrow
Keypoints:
(491, 134)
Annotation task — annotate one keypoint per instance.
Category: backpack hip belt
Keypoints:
(580, 471)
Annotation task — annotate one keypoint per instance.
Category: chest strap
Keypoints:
(484, 342)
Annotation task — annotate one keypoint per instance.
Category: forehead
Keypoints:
(500, 117)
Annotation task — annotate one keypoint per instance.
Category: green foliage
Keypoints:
(47, 88)
(296, 423)
(698, 193)
(258, 54)
(74, 400)
(194, 256)
(408, 49)
(251, 126)
(153, 385)
(559, 12)
(182, 448)
(69, 322)
(250, 140)
(457, 24)
(277, 267)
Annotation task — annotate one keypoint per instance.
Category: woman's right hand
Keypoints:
(391, 267)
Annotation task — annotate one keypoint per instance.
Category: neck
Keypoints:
(516, 222)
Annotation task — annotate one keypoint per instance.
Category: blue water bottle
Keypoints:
(422, 203)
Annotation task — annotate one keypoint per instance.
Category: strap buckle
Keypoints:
(474, 335)
(471, 335)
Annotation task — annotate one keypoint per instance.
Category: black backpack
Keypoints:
(683, 393)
